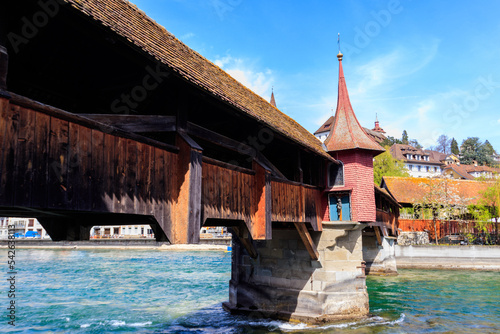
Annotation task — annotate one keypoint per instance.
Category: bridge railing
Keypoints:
(388, 219)
(226, 191)
(296, 202)
(233, 193)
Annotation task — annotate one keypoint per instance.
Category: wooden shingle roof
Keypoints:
(126, 20)
(409, 190)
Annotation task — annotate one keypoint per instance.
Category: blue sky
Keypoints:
(428, 67)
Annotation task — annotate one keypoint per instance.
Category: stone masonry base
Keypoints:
(284, 282)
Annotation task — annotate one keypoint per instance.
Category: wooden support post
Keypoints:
(377, 233)
(246, 240)
(4, 66)
(300, 172)
(260, 226)
(307, 240)
(187, 215)
(4, 55)
(319, 216)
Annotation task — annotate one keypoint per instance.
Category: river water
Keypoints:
(155, 291)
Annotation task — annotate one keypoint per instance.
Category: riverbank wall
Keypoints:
(448, 257)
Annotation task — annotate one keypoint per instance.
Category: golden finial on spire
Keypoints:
(339, 55)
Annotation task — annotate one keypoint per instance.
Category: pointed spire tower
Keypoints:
(273, 102)
(350, 144)
(347, 133)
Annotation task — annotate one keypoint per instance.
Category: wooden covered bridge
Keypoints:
(107, 119)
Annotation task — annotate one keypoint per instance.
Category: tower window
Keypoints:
(336, 174)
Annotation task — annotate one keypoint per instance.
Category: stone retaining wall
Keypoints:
(413, 238)
(449, 257)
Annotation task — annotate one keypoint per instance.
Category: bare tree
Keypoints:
(444, 144)
(442, 201)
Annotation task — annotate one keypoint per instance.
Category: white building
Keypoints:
(122, 231)
(418, 162)
(21, 226)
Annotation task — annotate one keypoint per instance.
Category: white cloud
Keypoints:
(187, 36)
(498, 121)
(389, 68)
(258, 80)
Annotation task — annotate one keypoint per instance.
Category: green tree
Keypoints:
(389, 141)
(386, 165)
(415, 143)
(490, 200)
(488, 149)
(404, 138)
(472, 149)
(454, 147)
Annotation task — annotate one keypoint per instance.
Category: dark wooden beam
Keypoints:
(136, 123)
(220, 140)
(241, 232)
(307, 240)
(228, 166)
(231, 144)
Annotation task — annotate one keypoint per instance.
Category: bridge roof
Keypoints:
(125, 19)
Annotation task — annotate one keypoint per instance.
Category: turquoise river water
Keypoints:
(154, 291)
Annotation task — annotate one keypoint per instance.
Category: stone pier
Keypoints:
(380, 258)
(284, 283)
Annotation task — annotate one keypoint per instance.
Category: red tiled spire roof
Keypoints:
(346, 132)
(377, 127)
(273, 102)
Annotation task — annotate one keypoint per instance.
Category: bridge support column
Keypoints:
(380, 254)
(284, 282)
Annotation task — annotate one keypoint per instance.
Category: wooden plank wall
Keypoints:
(226, 193)
(292, 202)
(49, 163)
(287, 202)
